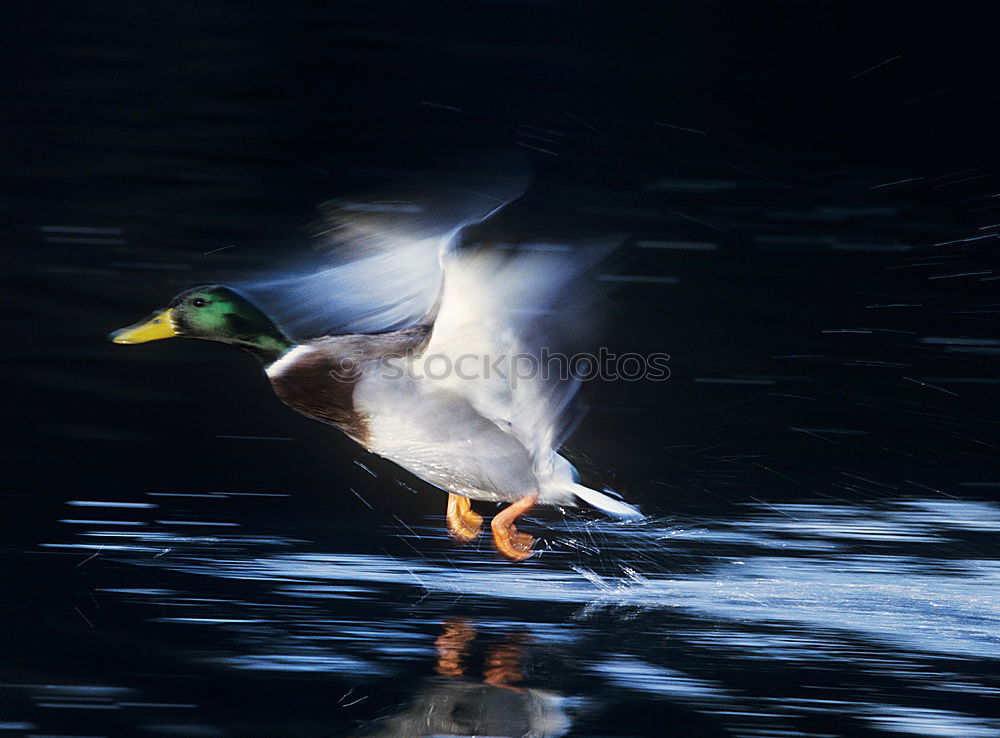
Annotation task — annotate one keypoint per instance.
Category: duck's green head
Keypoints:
(212, 313)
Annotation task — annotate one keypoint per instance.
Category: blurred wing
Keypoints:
(497, 332)
(375, 263)
(377, 292)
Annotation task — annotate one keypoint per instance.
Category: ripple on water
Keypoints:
(875, 591)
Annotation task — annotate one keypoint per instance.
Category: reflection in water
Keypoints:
(881, 617)
(454, 704)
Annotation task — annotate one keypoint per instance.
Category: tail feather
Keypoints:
(612, 506)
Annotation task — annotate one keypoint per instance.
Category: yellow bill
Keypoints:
(161, 325)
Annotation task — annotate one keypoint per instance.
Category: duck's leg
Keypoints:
(464, 523)
(508, 540)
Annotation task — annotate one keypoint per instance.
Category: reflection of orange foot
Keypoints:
(503, 666)
(513, 544)
(451, 646)
(464, 523)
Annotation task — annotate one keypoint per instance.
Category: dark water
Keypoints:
(811, 239)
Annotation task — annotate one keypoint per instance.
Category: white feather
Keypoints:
(481, 428)
(486, 431)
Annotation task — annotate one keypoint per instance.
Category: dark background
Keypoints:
(190, 129)
(837, 340)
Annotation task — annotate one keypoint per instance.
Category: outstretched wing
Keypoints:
(496, 340)
(374, 265)
(382, 259)
(474, 413)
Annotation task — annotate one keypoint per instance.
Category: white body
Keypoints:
(459, 416)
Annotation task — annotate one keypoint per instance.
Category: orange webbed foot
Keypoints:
(507, 539)
(464, 523)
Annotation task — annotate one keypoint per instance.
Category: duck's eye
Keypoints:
(199, 302)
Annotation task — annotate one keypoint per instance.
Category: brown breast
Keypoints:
(320, 382)
(320, 385)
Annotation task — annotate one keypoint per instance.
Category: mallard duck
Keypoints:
(473, 434)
